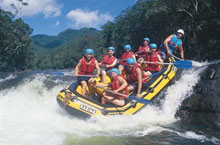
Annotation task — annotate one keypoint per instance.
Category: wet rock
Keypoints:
(203, 107)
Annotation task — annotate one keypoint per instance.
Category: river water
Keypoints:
(30, 115)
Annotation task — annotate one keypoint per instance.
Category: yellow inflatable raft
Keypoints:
(87, 106)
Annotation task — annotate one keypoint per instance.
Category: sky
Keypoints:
(54, 16)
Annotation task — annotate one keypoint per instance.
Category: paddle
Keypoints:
(175, 57)
(90, 76)
(182, 64)
(139, 100)
(62, 74)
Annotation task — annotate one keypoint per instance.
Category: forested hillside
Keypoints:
(154, 19)
(43, 42)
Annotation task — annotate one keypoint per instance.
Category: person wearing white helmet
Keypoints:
(174, 42)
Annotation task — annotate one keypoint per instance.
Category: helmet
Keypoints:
(130, 61)
(127, 47)
(147, 39)
(180, 31)
(153, 45)
(111, 48)
(115, 70)
(89, 51)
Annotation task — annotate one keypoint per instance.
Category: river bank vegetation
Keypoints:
(154, 19)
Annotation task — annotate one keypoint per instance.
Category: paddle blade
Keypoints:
(183, 64)
(57, 73)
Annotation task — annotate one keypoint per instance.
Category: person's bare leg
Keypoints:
(91, 85)
(67, 98)
(130, 88)
(118, 102)
(147, 73)
(103, 101)
(104, 77)
(84, 85)
(113, 100)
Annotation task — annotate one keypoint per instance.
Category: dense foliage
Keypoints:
(67, 56)
(155, 19)
(159, 18)
(15, 43)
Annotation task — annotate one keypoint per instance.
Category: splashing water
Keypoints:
(30, 115)
(7, 78)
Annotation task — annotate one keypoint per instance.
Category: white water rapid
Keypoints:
(30, 115)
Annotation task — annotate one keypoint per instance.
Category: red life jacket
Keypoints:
(87, 69)
(142, 51)
(132, 75)
(152, 66)
(108, 60)
(115, 85)
(125, 56)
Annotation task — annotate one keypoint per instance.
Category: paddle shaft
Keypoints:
(90, 76)
(139, 100)
(157, 62)
(113, 92)
(175, 57)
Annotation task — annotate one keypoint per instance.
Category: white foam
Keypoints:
(8, 78)
(29, 114)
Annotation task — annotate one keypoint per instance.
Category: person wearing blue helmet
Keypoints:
(173, 43)
(118, 91)
(154, 60)
(127, 54)
(134, 75)
(108, 62)
(86, 66)
(144, 49)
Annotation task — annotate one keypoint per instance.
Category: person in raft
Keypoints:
(118, 91)
(108, 62)
(144, 49)
(135, 77)
(85, 68)
(173, 43)
(153, 60)
(127, 54)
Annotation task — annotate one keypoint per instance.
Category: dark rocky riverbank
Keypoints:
(203, 107)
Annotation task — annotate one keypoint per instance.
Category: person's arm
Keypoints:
(100, 63)
(148, 49)
(133, 56)
(113, 64)
(165, 43)
(77, 67)
(139, 77)
(159, 58)
(97, 68)
(123, 83)
(181, 52)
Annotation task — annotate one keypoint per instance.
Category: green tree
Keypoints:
(159, 18)
(15, 43)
